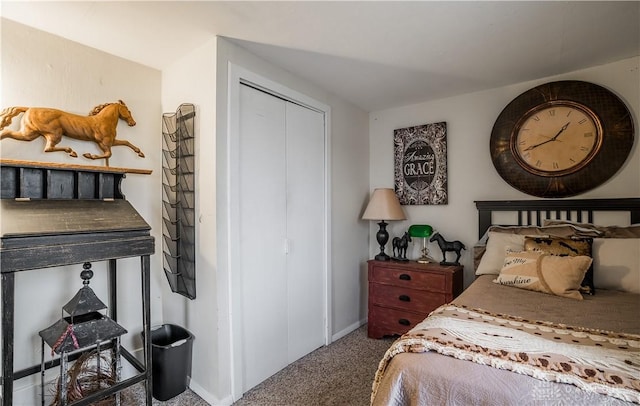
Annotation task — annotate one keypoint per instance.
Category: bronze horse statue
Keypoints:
(401, 244)
(455, 246)
(99, 126)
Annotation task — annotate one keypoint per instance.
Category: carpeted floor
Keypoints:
(136, 397)
(338, 374)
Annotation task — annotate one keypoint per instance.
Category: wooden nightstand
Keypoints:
(402, 294)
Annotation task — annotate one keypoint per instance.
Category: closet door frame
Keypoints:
(237, 76)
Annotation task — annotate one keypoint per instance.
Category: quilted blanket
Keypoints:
(598, 361)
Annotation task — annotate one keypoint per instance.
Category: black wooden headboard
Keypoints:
(533, 212)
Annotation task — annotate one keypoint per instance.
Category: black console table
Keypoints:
(55, 215)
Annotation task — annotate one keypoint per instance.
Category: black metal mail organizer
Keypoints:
(178, 225)
(55, 215)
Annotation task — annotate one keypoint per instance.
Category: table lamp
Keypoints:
(384, 205)
(423, 231)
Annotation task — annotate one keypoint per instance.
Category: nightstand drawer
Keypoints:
(401, 294)
(435, 282)
(391, 321)
(403, 298)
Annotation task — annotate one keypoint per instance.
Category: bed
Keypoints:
(498, 343)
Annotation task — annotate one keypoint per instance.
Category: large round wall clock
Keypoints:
(561, 138)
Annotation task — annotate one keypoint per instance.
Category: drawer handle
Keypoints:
(405, 277)
(404, 298)
(404, 322)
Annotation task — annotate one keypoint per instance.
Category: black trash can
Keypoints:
(171, 348)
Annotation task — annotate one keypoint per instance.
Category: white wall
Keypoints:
(39, 69)
(191, 79)
(349, 190)
(472, 176)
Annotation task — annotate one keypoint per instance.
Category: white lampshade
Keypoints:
(384, 205)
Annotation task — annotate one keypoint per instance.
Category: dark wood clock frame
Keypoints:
(612, 116)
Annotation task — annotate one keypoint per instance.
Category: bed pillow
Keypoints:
(566, 247)
(617, 264)
(489, 252)
(565, 230)
(632, 231)
(541, 272)
(497, 245)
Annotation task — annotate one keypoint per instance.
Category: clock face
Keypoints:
(561, 138)
(556, 138)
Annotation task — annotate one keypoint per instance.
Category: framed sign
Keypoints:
(421, 164)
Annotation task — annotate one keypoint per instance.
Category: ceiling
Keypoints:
(377, 55)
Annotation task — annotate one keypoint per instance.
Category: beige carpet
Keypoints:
(338, 374)
(136, 397)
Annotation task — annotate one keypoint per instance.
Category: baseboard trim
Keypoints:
(349, 329)
(208, 397)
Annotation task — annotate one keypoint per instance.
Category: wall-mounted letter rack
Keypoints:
(178, 217)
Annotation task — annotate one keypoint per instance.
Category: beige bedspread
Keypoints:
(430, 378)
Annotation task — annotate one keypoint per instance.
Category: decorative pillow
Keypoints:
(497, 245)
(478, 252)
(565, 247)
(538, 271)
(489, 252)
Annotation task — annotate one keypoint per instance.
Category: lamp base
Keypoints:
(426, 260)
(382, 257)
(382, 236)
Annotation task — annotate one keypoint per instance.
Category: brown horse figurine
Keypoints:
(99, 126)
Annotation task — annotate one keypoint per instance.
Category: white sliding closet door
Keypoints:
(281, 232)
(262, 234)
(305, 229)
